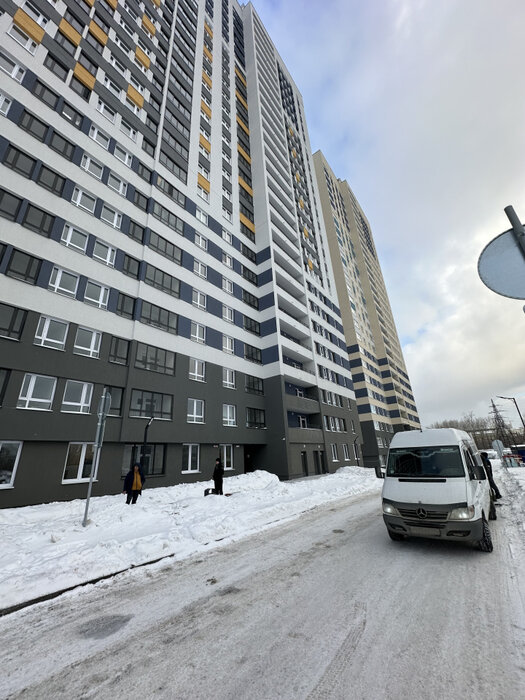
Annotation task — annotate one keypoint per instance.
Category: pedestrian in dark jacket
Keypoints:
(488, 468)
(218, 473)
(133, 483)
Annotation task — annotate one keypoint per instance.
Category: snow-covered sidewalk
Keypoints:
(45, 548)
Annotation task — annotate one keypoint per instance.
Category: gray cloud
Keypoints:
(419, 105)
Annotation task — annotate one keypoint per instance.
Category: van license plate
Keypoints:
(425, 531)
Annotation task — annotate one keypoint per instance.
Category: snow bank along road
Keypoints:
(325, 606)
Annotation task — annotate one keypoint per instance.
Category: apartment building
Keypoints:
(384, 395)
(161, 239)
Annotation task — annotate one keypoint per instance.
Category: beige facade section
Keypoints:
(99, 34)
(69, 32)
(28, 25)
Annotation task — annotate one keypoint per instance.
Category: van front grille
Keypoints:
(421, 514)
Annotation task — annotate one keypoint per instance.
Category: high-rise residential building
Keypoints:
(384, 395)
(161, 238)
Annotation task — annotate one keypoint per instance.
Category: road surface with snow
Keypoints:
(324, 606)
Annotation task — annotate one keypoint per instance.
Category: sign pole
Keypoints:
(103, 410)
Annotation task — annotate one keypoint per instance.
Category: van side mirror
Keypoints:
(380, 472)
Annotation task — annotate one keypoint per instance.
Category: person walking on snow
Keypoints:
(218, 474)
(133, 483)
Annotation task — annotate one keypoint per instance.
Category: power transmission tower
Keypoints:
(501, 429)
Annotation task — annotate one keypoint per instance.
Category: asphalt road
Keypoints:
(325, 606)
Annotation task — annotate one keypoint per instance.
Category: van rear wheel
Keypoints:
(396, 536)
(485, 543)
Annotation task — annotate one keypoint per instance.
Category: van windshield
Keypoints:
(425, 462)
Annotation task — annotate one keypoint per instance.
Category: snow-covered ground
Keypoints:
(45, 548)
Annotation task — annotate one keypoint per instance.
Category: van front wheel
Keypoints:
(485, 543)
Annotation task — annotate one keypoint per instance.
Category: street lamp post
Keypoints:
(511, 398)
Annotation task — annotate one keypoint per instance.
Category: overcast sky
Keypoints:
(420, 106)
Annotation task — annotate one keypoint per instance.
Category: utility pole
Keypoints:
(500, 427)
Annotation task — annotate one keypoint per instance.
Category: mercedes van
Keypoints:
(436, 486)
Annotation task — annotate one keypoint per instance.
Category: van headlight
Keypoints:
(465, 513)
(388, 509)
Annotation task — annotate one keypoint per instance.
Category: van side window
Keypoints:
(470, 462)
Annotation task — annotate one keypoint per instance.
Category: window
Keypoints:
(63, 282)
(200, 269)
(72, 115)
(229, 415)
(8, 65)
(117, 396)
(227, 285)
(59, 144)
(201, 216)
(198, 332)
(119, 351)
(5, 103)
(127, 129)
(56, 67)
(84, 200)
(80, 88)
(11, 321)
(190, 458)
(254, 385)
(123, 155)
(111, 216)
(92, 166)
(226, 452)
(228, 344)
(79, 461)
(77, 397)
(147, 404)
(63, 41)
(74, 238)
(51, 180)
(227, 260)
(117, 184)
(252, 354)
(117, 64)
(333, 450)
(51, 333)
(104, 253)
(112, 87)
(160, 318)
(255, 418)
(195, 413)
(251, 325)
(227, 314)
(155, 359)
(19, 161)
(37, 392)
(203, 194)
(197, 370)
(96, 295)
(9, 456)
(162, 280)
(125, 306)
(99, 136)
(38, 220)
(87, 342)
(346, 452)
(35, 13)
(9, 205)
(198, 299)
(23, 267)
(22, 38)
(201, 241)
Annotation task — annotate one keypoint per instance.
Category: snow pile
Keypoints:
(45, 548)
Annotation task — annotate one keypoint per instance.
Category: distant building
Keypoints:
(384, 395)
(161, 238)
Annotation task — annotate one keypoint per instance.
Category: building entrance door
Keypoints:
(304, 463)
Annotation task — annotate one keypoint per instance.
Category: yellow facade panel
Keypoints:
(28, 25)
(135, 96)
(208, 53)
(242, 125)
(204, 143)
(84, 76)
(240, 76)
(142, 57)
(69, 32)
(99, 34)
(203, 182)
(246, 221)
(241, 98)
(305, 231)
(243, 153)
(148, 24)
(205, 108)
(208, 29)
(156, 2)
(111, 3)
(301, 203)
(206, 79)
(245, 186)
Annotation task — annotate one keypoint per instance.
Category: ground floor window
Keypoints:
(152, 459)
(190, 458)
(346, 452)
(226, 456)
(9, 456)
(333, 449)
(79, 461)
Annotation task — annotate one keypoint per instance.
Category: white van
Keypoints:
(436, 486)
